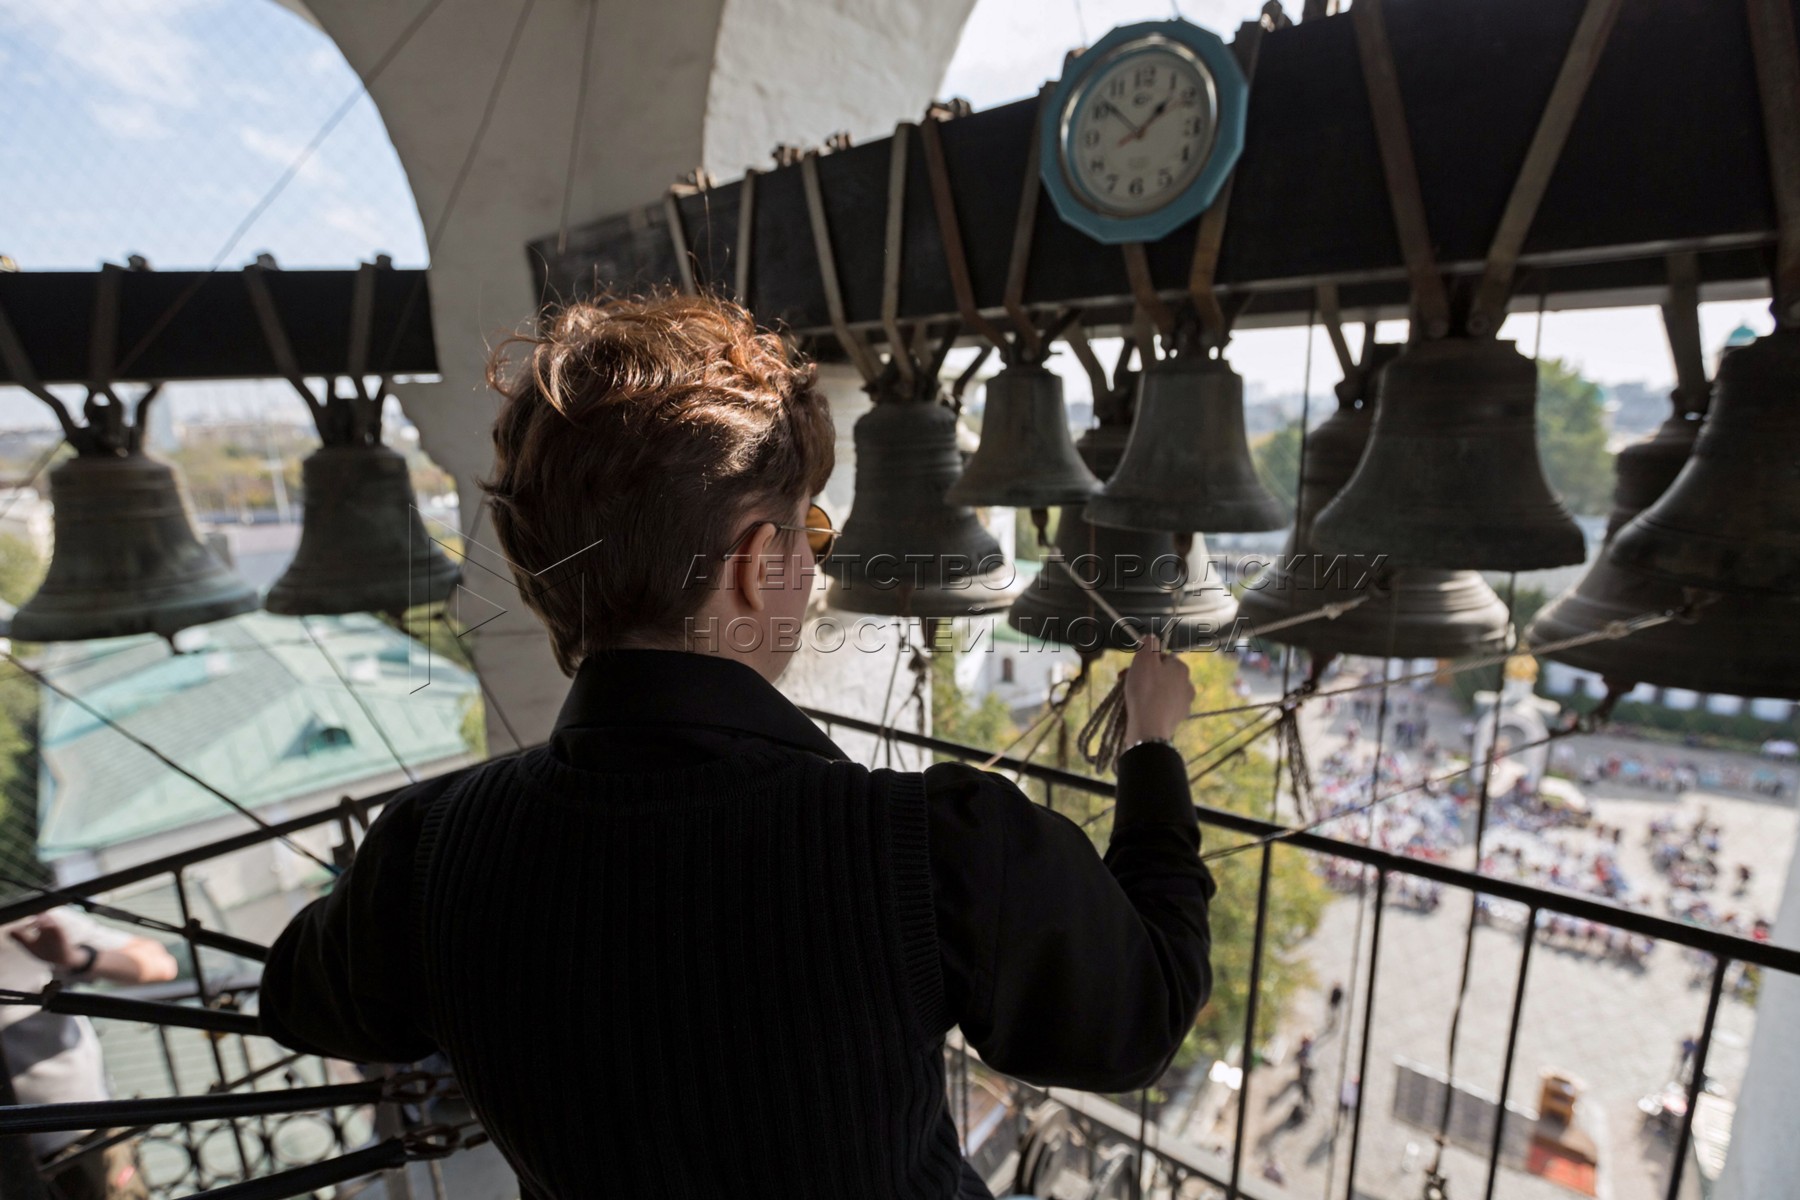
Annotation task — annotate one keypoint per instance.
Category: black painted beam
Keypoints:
(199, 325)
(1667, 153)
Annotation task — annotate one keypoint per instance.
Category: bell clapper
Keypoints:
(1040, 520)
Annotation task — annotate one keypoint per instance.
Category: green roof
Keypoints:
(253, 708)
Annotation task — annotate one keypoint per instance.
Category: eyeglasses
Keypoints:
(820, 535)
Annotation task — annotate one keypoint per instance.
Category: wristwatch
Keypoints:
(87, 964)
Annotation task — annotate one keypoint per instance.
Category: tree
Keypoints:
(1277, 459)
(955, 718)
(1242, 783)
(21, 570)
(1571, 418)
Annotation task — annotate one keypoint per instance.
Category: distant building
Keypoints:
(255, 709)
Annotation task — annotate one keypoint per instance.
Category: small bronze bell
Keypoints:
(1420, 613)
(1643, 471)
(126, 560)
(1026, 458)
(1187, 467)
(1737, 645)
(363, 546)
(1451, 478)
(905, 550)
(1146, 577)
(1730, 522)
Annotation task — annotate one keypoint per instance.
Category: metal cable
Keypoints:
(1468, 954)
(1355, 810)
(480, 681)
(174, 766)
(462, 176)
(380, 732)
(288, 176)
(581, 90)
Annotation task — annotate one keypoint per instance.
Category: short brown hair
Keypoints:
(630, 443)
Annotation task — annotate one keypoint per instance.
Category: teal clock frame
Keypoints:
(1232, 96)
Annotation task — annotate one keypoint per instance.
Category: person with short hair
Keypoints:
(55, 1058)
(686, 947)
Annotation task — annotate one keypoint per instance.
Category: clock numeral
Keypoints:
(1186, 152)
(1146, 76)
(1164, 177)
(1096, 165)
(1190, 94)
(1116, 88)
(1112, 182)
(1102, 110)
(1191, 127)
(1136, 186)
(1091, 138)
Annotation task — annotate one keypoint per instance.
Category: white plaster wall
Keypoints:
(797, 71)
(672, 85)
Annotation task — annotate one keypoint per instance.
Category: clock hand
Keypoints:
(1156, 112)
(1135, 131)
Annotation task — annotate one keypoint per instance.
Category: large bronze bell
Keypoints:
(363, 547)
(1451, 478)
(126, 560)
(1146, 577)
(1026, 458)
(1187, 467)
(1737, 645)
(1421, 613)
(1730, 522)
(906, 550)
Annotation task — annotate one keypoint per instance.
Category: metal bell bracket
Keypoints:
(1681, 321)
(1431, 301)
(1202, 323)
(1030, 342)
(1112, 393)
(909, 370)
(351, 418)
(1778, 82)
(107, 432)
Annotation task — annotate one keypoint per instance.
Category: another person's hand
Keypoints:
(45, 938)
(1158, 693)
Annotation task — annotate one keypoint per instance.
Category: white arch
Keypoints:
(673, 84)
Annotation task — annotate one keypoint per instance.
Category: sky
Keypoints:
(156, 126)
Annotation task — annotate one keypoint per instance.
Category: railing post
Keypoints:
(1697, 1079)
(1249, 1054)
(1362, 1056)
(1137, 1175)
(204, 993)
(18, 1165)
(1512, 1046)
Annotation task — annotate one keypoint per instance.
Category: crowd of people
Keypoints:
(1534, 836)
(1673, 775)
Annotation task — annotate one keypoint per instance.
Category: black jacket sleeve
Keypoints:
(341, 978)
(1062, 966)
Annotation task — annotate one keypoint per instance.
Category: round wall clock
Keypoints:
(1142, 131)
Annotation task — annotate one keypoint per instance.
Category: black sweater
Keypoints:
(688, 950)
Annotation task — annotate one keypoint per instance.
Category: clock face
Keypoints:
(1139, 129)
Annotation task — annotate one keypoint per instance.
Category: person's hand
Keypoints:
(1158, 693)
(45, 938)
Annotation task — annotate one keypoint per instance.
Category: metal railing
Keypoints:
(1174, 1166)
(1130, 1157)
(225, 1108)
